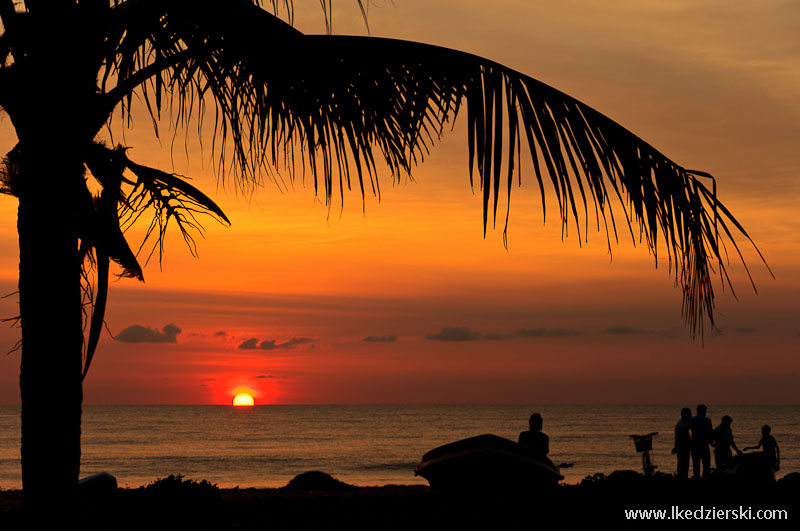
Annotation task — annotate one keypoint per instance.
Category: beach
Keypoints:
(624, 500)
(226, 468)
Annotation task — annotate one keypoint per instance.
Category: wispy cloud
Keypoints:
(467, 334)
(547, 332)
(381, 339)
(455, 334)
(272, 344)
(623, 330)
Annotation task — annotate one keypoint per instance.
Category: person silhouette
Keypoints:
(701, 431)
(683, 443)
(534, 437)
(723, 442)
(769, 446)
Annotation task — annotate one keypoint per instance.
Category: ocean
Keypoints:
(265, 446)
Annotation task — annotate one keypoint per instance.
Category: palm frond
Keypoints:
(108, 216)
(282, 101)
(105, 231)
(166, 196)
(9, 173)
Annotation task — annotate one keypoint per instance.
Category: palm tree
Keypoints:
(280, 101)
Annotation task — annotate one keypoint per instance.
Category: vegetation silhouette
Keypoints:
(286, 102)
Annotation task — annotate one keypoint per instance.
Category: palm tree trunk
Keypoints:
(52, 333)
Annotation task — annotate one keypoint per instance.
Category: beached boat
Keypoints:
(487, 462)
(752, 467)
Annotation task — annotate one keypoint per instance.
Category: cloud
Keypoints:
(455, 334)
(623, 330)
(250, 344)
(263, 376)
(216, 335)
(141, 334)
(268, 344)
(380, 339)
(272, 344)
(466, 334)
(295, 341)
(547, 332)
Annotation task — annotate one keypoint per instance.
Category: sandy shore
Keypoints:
(328, 505)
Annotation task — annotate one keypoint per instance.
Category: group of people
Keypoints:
(694, 436)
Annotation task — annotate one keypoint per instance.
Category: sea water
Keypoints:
(265, 446)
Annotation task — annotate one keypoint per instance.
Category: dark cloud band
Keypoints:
(466, 334)
(142, 334)
(272, 344)
(380, 339)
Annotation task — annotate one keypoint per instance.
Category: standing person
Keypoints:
(723, 442)
(769, 446)
(683, 443)
(534, 437)
(701, 431)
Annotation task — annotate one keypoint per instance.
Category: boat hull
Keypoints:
(487, 462)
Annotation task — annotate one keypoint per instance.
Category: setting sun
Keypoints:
(243, 399)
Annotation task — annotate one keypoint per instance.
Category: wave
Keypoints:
(400, 465)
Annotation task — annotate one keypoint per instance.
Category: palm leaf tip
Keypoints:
(585, 157)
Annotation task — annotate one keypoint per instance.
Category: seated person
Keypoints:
(534, 437)
(769, 446)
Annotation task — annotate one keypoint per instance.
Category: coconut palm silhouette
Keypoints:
(277, 100)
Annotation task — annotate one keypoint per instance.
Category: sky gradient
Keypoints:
(406, 302)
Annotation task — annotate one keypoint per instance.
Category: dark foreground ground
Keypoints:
(315, 501)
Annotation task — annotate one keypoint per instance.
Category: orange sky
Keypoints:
(713, 86)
